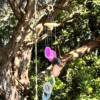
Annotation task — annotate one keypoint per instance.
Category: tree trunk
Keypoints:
(14, 72)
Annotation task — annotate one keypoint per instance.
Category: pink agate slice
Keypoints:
(50, 54)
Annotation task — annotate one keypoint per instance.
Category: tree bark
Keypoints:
(14, 71)
(79, 52)
(15, 59)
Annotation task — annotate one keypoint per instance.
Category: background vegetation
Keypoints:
(79, 80)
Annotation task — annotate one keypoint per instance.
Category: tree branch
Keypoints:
(29, 3)
(21, 30)
(75, 54)
(15, 8)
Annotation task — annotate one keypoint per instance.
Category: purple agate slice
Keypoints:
(50, 54)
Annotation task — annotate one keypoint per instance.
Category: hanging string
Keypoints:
(51, 19)
(56, 42)
(56, 45)
(46, 40)
(36, 70)
(36, 65)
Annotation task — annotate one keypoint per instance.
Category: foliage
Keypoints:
(7, 23)
(80, 80)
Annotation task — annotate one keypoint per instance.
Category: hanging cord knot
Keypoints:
(50, 8)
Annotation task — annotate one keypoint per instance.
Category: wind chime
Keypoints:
(49, 53)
